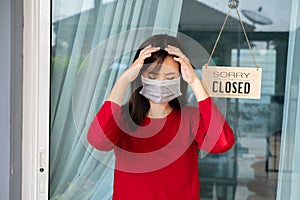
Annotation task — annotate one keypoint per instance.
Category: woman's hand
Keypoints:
(132, 72)
(187, 71)
(118, 91)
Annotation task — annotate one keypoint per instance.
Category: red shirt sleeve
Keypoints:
(104, 131)
(213, 134)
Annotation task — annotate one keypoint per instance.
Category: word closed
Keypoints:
(232, 82)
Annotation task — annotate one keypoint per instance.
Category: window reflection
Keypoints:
(249, 171)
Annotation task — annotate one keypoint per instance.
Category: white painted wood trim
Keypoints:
(36, 89)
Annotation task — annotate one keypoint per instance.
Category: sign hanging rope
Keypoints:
(232, 82)
(233, 4)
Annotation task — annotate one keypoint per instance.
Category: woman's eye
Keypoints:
(170, 78)
(152, 75)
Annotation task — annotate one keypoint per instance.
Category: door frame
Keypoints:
(36, 99)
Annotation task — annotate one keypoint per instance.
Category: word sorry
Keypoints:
(243, 75)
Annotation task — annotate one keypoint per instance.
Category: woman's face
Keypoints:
(169, 70)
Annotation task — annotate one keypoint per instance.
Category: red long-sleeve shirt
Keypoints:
(159, 160)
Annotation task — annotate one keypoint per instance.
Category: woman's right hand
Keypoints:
(118, 91)
(132, 72)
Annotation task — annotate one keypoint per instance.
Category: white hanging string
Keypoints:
(220, 33)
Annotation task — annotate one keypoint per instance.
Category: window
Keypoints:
(84, 66)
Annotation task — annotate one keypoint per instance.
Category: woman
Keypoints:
(155, 136)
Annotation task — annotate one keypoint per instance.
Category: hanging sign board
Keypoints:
(232, 82)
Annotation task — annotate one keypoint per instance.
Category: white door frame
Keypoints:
(36, 90)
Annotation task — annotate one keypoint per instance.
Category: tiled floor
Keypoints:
(254, 183)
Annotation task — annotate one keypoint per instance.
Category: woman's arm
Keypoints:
(105, 129)
(118, 91)
(198, 89)
(212, 132)
(188, 73)
(104, 132)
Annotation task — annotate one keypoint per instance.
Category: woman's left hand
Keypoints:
(187, 71)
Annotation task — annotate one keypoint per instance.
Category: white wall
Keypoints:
(5, 64)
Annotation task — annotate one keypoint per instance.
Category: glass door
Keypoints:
(93, 42)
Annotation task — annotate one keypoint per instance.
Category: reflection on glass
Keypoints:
(80, 33)
(249, 171)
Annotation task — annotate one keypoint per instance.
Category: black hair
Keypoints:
(138, 105)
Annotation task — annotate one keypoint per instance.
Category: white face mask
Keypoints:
(160, 91)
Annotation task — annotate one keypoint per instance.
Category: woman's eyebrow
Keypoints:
(153, 72)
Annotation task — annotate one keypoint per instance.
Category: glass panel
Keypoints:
(249, 171)
(92, 44)
(85, 66)
(290, 163)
